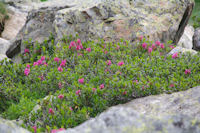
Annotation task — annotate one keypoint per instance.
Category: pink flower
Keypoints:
(157, 43)
(101, 86)
(153, 46)
(144, 45)
(42, 58)
(187, 71)
(35, 128)
(81, 81)
(60, 69)
(107, 70)
(45, 64)
(141, 38)
(79, 54)
(118, 72)
(56, 59)
(94, 89)
(81, 46)
(150, 50)
(135, 81)
(106, 52)
(171, 85)
(60, 85)
(175, 55)
(88, 49)
(63, 63)
(61, 96)
(78, 92)
(171, 46)
(162, 45)
(72, 44)
(79, 41)
(78, 47)
(26, 71)
(118, 47)
(57, 130)
(28, 66)
(35, 64)
(51, 111)
(71, 108)
(124, 93)
(39, 62)
(120, 63)
(108, 62)
(26, 50)
(41, 78)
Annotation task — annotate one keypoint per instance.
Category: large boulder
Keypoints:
(7, 126)
(186, 41)
(196, 39)
(107, 19)
(174, 113)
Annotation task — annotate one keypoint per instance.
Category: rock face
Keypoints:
(174, 113)
(108, 19)
(186, 39)
(7, 126)
(14, 24)
(196, 39)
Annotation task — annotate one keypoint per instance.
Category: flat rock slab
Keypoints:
(174, 113)
(7, 126)
(181, 50)
(110, 20)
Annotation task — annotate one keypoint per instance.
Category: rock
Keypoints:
(4, 45)
(14, 24)
(107, 19)
(186, 39)
(172, 113)
(196, 39)
(182, 50)
(7, 126)
(2, 57)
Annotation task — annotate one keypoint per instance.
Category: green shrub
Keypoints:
(23, 108)
(82, 80)
(195, 18)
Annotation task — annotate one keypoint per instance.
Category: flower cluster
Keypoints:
(81, 80)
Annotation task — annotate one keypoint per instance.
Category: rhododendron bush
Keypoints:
(74, 81)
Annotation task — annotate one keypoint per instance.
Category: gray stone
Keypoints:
(186, 39)
(182, 50)
(14, 24)
(4, 45)
(7, 126)
(110, 20)
(171, 113)
(196, 39)
(2, 57)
